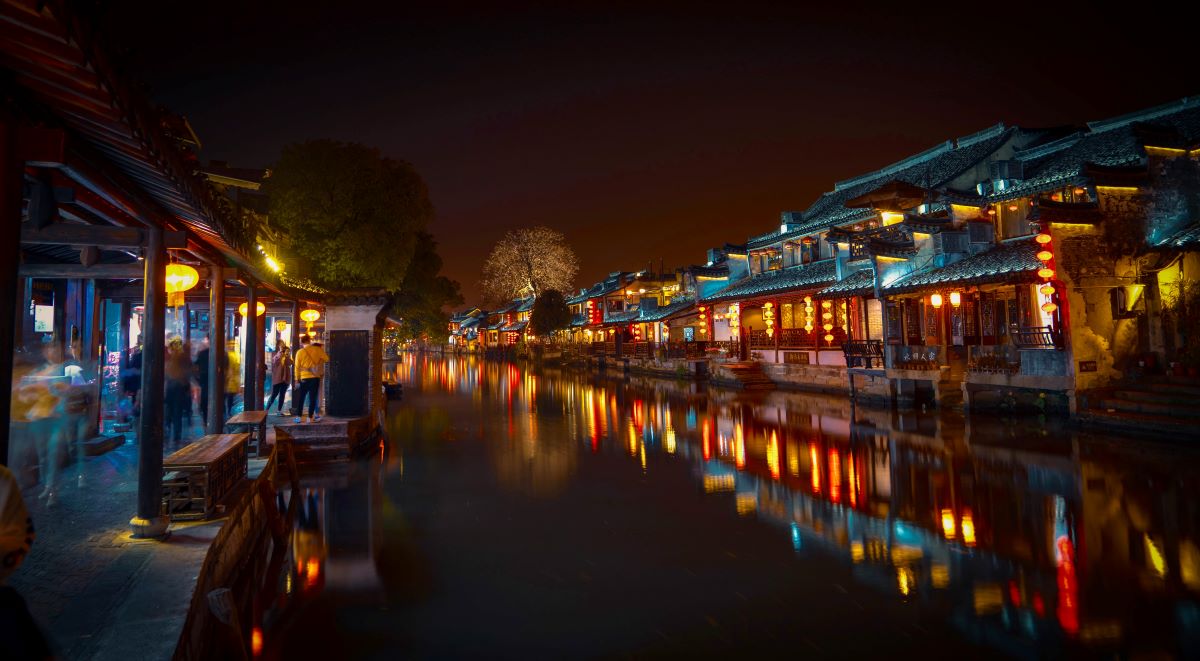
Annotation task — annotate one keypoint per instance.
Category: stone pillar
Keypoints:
(216, 351)
(346, 312)
(250, 358)
(149, 521)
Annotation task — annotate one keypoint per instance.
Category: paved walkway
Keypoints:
(97, 592)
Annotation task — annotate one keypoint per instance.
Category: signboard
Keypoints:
(1087, 366)
(795, 357)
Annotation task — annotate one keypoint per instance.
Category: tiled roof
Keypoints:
(513, 327)
(660, 313)
(621, 317)
(607, 286)
(526, 305)
(496, 326)
(579, 320)
(508, 307)
(858, 283)
(790, 279)
(1012, 261)
(1189, 237)
(718, 271)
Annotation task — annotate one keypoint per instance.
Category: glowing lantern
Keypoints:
(309, 316)
(1045, 255)
(1047, 290)
(179, 279)
(828, 327)
(955, 299)
(807, 299)
(991, 212)
(1046, 272)
(829, 337)
(936, 301)
(259, 309)
(1013, 207)
(1080, 191)
(1043, 238)
(1049, 307)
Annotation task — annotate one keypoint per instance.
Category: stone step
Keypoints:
(1140, 423)
(1187, 389)
(1157, 396)
(1151, 408)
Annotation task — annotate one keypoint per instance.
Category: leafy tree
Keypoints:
(421, 302)
(550, 313)
(351, 212)
(528, 262)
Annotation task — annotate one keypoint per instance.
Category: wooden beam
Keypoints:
(92, 235)
(131, 271)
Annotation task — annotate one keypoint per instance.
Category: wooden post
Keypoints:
(216, 352)
(250, 359)
(260, 375)
(149, 521)
(12, 174)
(93, 354)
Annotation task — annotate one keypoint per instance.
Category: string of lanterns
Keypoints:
(1046, 273)
(768, 315)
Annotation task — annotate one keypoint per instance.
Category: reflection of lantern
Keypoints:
(259, 309)
(1045, 255)
(1046, 272)
(1043, 238)
(179, 279)
(309, 316)
(935, 300)
(955, 299)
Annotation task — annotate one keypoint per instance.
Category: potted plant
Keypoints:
(1181, 309)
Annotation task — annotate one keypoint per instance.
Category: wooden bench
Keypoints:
(252, 422)
(198, 476)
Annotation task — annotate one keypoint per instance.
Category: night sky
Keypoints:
(642, 135)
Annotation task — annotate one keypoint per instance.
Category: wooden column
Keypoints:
(12, 172)
(260, 375)
(93, 355)
(149, 521)
(250, 359)
(216, 352)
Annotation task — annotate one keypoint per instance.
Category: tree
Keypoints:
(421, 302)
(550, 313)
(352, 213)
(527, 262)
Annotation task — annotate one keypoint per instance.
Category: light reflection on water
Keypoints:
(1017, 533)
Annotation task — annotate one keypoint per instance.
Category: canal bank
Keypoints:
(524, 512)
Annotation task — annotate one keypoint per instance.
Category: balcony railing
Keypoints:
(863, 353)
(994, 360)
(1036, 337)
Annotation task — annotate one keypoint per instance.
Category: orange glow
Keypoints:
(835, 475)
(1047, 290)
(968, 528)
(853, 482)
(1043, 238)
(955, 298)
(936, 301)
(948, 528)
(310, 315)
(260, 309)
(706, 439)
(739, 446)
(815, 463)
(1045, 255)
(256, 641)
(1046, 272)
(773, 455)
(312, 572)
(1049, 307)
(180, 277)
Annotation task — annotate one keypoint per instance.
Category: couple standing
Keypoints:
(309, 364)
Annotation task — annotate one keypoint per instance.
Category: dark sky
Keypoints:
(641, 134)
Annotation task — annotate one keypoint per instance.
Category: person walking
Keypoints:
(310, 366)
(281, 375)
(233, 376)
(178, 372)
(201, 372)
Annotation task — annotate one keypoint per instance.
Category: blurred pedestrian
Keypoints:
(201, 372)
(131, 377)
(233, 377)
(44, 392)
(310, 367)
(177, 369)
(281, 375)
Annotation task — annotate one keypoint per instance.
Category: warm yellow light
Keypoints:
(826, 304)
(1047, 290)
(807, 299)
(1080, 191)
(955, 299)
(808, 327)
(828, 327)
(968, 529)
(1118, 189)
(1046, 272)
(310, 315)
(181, 277)
(948, 528)
(1049, 307)
(891, 218)
(768, 305)
(274, 265)
(827, 315)
(1045, 255)
(935, 300)
(259, 307)
(1043, 238)
(256, 641)
(828, 337)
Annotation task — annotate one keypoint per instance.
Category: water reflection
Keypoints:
(1022, 536)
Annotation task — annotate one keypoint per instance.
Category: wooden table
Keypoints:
(254, 422)
(198, 476)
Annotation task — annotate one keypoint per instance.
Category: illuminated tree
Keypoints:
(527, 262)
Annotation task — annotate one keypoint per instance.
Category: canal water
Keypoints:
(549, 514)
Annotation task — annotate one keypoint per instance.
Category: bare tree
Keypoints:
(527, 262)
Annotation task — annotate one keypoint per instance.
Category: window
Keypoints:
(1012, 218)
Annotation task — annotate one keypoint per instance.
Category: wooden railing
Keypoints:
(863, 353)
(240, 573)
(1035, 337)
(796, 338)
